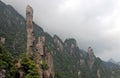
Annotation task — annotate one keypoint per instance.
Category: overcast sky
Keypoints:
(94, 23)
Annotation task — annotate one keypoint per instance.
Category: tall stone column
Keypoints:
(29, 28)
(91, 57)
(40, 54)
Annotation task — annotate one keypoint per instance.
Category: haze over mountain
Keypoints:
(91, 22)
(29, 51)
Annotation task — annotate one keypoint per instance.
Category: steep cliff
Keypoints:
(87, 66)
(29, 27)
(58, 42)
(43, 58)
(91, 58)
(50, 55)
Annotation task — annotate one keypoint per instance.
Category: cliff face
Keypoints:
(49, 59)
(82, 60)
(42, 56)
(58, 42)
(52, 56)
(2, 40)
(2, 73)
(91, 57)
(70, 45)
(29, 27)
(87, 66)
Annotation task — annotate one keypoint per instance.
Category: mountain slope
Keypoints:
(69, 60)
(13, 28)
(115, 68)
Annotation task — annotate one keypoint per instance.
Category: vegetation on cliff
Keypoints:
(69, 60)
(6, 61)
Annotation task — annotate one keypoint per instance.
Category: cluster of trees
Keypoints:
(7, 63)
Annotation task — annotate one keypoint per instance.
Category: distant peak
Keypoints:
(29, 9)
(28, 6)
(56, 37)
(111, 60)
(90, 49)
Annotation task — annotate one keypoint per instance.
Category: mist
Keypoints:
(92, 23)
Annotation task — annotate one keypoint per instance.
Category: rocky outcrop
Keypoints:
(46, 74)
(91, 57)
(40, 46)
(66, 64)
(58, 42)
(43, 59)
(98, 73)
(40, 54)
(49, 59)
(43, 55)
(2, 40)
(82, 60)
(3, 73)
(19, 69)
(29, 27)
(79, 74)
(70, 45)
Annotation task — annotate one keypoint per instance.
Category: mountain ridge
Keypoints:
(69, 60)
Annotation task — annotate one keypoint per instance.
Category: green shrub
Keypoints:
(6, 62)
(44, 65)
(29, 68)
